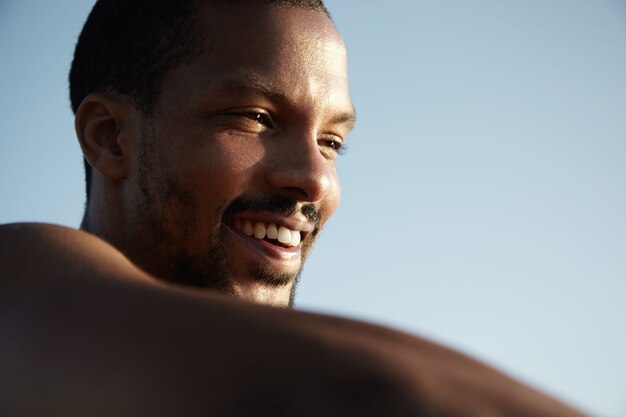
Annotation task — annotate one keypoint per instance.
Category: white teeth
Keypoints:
(247, 228)
(295, 238)
(259, 230)
(262, 230)
(272, 231)
(284, 235)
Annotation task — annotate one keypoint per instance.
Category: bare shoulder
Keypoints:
(79, 321)
(35, 253)
(19, 240)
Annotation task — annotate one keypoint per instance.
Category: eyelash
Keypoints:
(335, 145)
(260, 118)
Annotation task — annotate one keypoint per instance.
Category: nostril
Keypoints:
(296, 192)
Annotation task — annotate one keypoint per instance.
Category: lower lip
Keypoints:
(277, 253)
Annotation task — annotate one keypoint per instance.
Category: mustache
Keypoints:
(275, 204)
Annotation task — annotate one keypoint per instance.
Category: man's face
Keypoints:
(236, 171)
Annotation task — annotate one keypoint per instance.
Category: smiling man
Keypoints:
(211, 131)
(224, 179)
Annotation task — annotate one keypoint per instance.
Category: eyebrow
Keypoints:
(248, 84)
(347, 118)
(259, 86)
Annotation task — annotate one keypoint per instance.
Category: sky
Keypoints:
(483, 190)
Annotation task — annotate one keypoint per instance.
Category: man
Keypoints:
(211, 131)
(229, 173)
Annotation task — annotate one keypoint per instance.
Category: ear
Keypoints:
(103, 126)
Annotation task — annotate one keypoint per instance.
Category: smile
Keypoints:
(269, 232)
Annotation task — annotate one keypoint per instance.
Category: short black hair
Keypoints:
(127, 47)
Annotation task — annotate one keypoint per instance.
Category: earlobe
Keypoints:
(101, 127)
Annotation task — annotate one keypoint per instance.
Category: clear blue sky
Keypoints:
(484, 189)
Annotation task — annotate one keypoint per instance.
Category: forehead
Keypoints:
(227, 24)
(292, 51)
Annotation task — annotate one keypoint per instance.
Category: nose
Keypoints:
(299, 169)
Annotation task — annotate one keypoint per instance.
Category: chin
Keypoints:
(261, 293)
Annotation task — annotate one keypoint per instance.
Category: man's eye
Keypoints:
(249, 118)
(332, 146)
(261, 118)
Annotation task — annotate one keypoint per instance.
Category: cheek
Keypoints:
(221, 163)
(332, 199)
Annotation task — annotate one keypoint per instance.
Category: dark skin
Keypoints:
(85, 332)
(89, 325)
